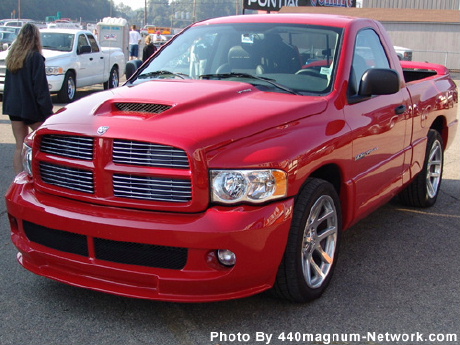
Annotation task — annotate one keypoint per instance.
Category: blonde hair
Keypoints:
(27, 42)
(148, 39)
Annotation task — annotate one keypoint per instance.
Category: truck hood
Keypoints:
(48, 54)
(195, 114)
(53, 54)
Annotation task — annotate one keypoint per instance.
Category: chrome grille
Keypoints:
(142, 107)
(72, 178)
(148, 154)
(151, 188)
(68, 146)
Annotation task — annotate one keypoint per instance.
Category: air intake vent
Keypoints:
(66, 177)
(141, 254)
(148, 154)
(60, 240)
(142, 107)
(68, 146)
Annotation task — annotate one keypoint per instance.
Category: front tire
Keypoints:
(313, 243)
(68, 91)
(424, 189)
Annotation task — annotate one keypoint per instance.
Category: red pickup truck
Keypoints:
(232, 160)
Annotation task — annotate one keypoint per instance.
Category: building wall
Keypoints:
(416, 4)
(431, 42)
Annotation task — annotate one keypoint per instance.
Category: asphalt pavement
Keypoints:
(398, 277)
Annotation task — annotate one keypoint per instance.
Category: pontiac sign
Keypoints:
(275, 5)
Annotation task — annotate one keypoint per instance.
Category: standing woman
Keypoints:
(26, 97)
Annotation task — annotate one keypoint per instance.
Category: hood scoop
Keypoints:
(141, 108)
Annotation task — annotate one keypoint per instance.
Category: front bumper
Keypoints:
(55, 82)
(257, 235)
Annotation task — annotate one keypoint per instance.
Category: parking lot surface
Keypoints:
(398, 277)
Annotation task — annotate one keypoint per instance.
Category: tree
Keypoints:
(159, 13)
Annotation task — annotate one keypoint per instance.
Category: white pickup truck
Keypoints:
(75, 59)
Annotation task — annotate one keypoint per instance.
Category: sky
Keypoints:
(134, 4)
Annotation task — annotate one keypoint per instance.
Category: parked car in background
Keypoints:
(21, 22)
(75, 59)
(6, 38)
(404, 54)
(14, 29)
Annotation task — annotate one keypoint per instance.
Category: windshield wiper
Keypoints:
(162, 73)
(249, 76)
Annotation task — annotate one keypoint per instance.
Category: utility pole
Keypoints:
(194, 12)
(145, 12)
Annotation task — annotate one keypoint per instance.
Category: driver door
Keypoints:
(380, 127)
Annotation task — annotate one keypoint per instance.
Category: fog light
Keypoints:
(226, 257)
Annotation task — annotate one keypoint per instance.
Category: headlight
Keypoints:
(256, 186)
(27, 159)
(54, 70)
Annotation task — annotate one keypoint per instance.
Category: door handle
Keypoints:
(400, 110)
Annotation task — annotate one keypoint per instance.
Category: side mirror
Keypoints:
(379, 81)
(131, 67)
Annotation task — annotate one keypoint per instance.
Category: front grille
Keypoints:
(142, 107)
(148, 154)
(67, 177)
(130, 253)
(68, 146)
(151, 188)
(60, 240)
(76, 162)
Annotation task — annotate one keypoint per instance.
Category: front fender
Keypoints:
(299, 148)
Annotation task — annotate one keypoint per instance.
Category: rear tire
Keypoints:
(114, 79)
(424, 189)
(313, 243)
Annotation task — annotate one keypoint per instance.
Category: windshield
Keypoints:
(274, 57)
(57, 41)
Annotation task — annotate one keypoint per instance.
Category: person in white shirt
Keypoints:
(134, 40)
(159, 37)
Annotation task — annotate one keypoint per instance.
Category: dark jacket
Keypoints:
(26, 94)
(149, 49)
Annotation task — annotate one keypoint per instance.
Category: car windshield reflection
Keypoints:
(296, 59)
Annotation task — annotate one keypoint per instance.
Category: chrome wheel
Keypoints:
(71, 88)
(319, 241)
(424, 189)
(434, 169)
(313, 243)
(68, 90)
(114, 80)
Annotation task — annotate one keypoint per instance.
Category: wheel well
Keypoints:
(330, 173)
(440, 125)
(333, 174)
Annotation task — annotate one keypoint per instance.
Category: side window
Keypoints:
(94, 46)
(82, 41)
(369, 53)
